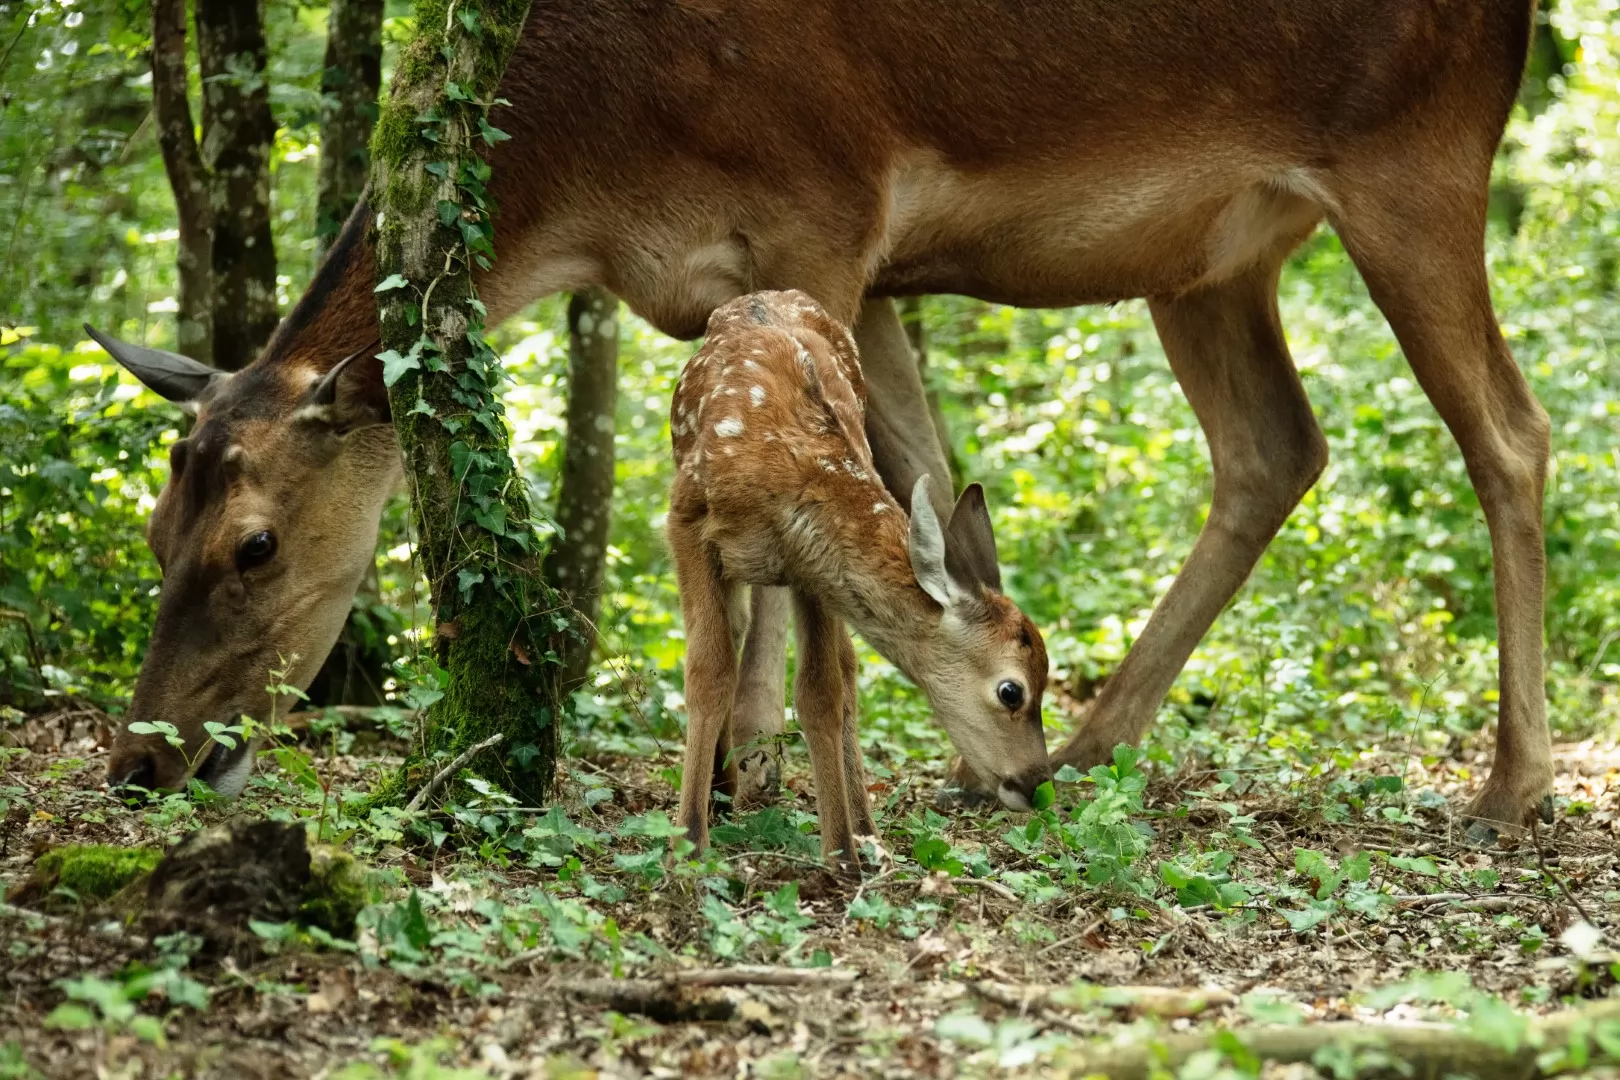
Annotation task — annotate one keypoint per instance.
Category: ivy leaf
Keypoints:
(493, 519)
(395, 365)
(466, 579)
(441, 169)
(491, 134)
(422, 407)
(449, 213)
(392, 281)
(469, 21)
(454, 92)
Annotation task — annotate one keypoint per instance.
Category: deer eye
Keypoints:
(1010, 694)
(256, 550)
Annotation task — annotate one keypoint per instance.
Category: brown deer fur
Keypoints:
(685, 152)
(775, 486)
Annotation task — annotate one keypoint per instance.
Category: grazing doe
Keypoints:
(774, 485)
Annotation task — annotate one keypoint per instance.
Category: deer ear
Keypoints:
(928, 546)
(970, 542)
(177, 378)
(350, 396)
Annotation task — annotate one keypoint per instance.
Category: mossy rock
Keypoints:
(94, 872)
(336, 893)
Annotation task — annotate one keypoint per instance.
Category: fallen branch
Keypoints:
(450, 770)
(1493, 902)
(756, 975)
(1421, 1050)
(990, 886)
(1165, 1002)
(686, 996)
(995, 993)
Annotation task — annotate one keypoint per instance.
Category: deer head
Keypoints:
(984, 666)
(263, 532)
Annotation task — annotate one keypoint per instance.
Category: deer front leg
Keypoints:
(711, 673)
(1226, 346)
(758, 717)
(899, 426)
(818, 698)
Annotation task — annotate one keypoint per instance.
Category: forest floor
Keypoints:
(1271, 898)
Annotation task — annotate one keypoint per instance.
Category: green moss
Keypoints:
(336, 893)
(94, 872)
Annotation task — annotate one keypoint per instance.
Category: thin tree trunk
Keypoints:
(349, 84)
(238, 132)
(188, 177)
(911, 317)
(497, 619)
(575, 563)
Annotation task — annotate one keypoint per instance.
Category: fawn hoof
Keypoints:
(759, 779)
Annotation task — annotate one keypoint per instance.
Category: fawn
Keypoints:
(774, 485)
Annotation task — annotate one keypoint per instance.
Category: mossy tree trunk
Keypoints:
(498, 624)
(349, 83)
(576, 561)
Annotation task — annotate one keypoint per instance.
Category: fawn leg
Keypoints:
(818, 698)
(758, 717)
(860, 804)
(711, 672)
(1416, 231)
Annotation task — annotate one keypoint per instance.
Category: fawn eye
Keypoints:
(1010, 694)
(256, 550)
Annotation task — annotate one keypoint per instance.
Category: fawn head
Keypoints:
(983, 665)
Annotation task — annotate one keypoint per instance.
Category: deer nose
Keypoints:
(1018, 792)
(143, 774)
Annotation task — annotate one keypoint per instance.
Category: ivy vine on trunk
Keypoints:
(494, 666)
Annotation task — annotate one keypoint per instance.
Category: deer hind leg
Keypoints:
(1418, 240)
(1226, 346)
(758, 717)
(899, 425)
(860, 807)
(711, 673)
(818, 698)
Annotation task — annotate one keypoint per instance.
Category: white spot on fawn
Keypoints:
(756, 394)
(729, 428)
(879, 508)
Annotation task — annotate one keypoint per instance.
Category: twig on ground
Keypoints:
(450, 770)
(681, 996)
(991, 886)
(995, 994)
(1541, 859)
(1492, 902)
(1071, 939)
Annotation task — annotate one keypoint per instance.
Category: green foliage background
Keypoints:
(1369, 621)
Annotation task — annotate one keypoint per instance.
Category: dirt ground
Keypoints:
(949, 984)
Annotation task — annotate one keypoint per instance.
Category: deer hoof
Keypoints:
(1494, 814)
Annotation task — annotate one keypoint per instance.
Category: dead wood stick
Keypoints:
(998, 995)
(758, 975)
(686, 996)
(1167, 1002)
(1541, 860)
(450, 770)
(990, 886)
(1429, 1050)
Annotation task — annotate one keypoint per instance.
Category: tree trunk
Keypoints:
(575, 563)
(188, 177)
(911, 317)
(238, 132)
(349, 85)
(498, 622)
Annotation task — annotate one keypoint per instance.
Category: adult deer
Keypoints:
(774, 486)
(1045, 152)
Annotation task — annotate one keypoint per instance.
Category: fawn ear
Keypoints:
(928, 546)
(970, 543)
